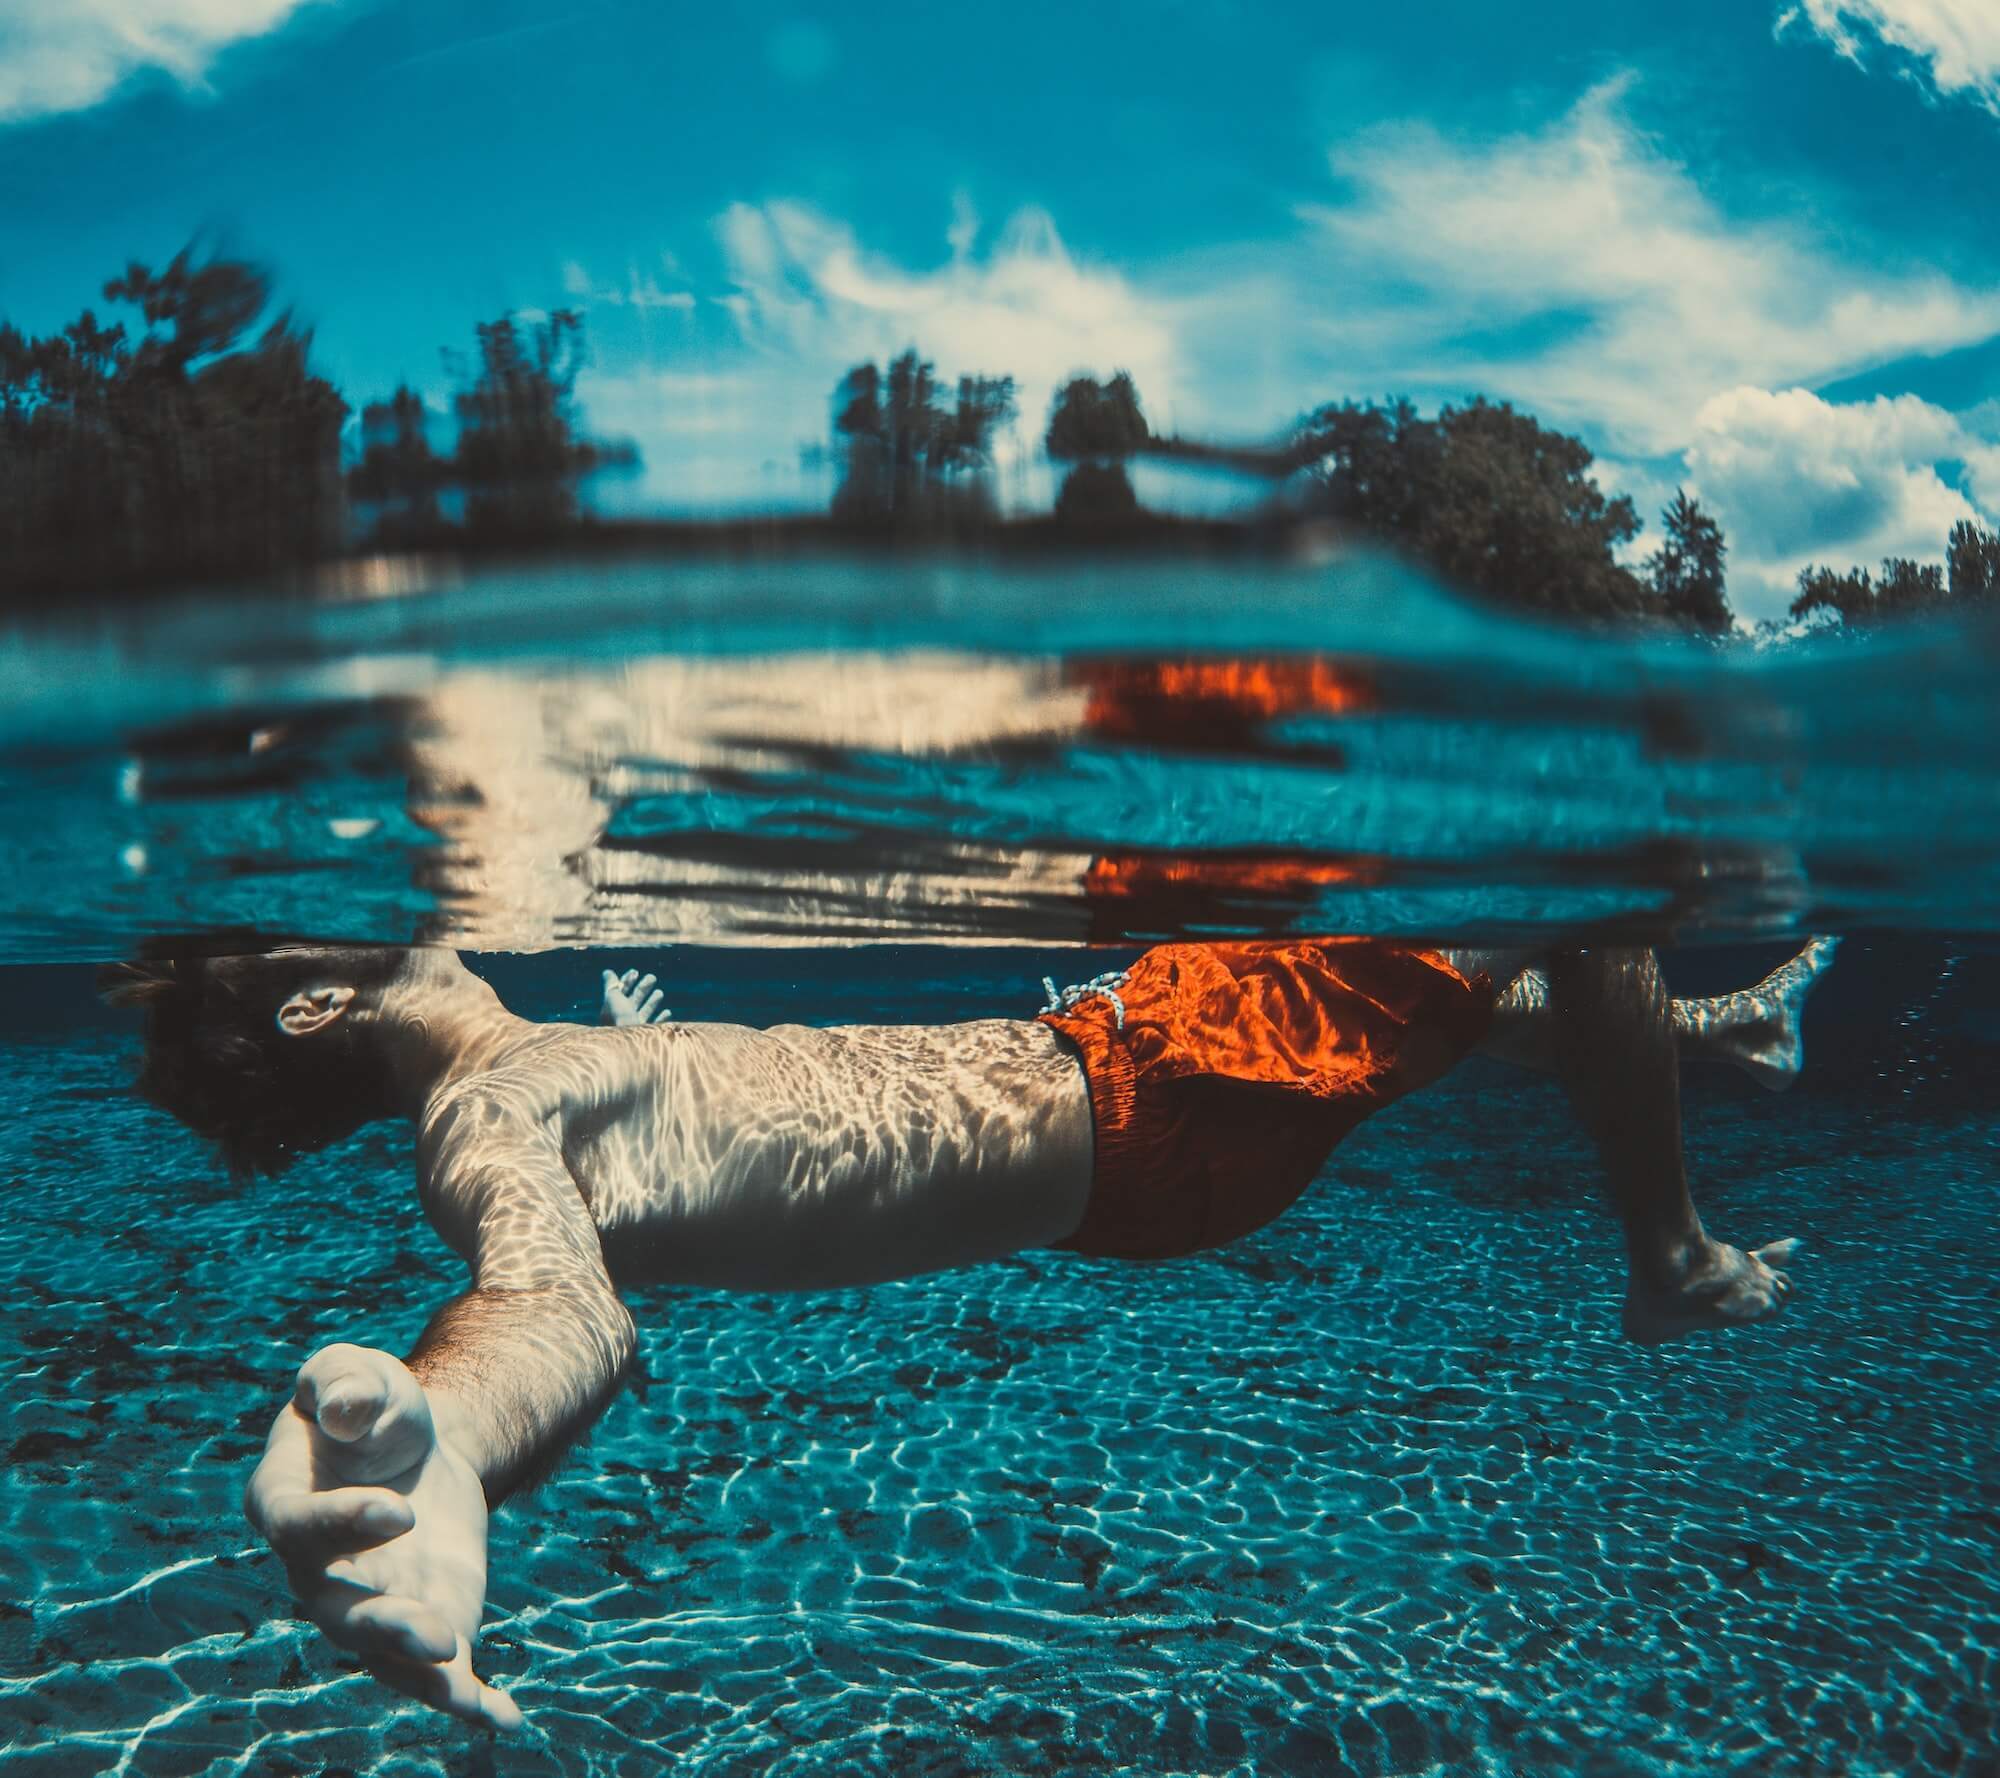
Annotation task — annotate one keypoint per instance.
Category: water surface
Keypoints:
(1380, 1490)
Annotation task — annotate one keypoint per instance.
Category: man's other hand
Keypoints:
(631, 999)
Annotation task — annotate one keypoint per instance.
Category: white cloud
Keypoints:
(1576, 269)
(809, 295)
(1580, 270)
(666, 402)
(725, 427)
(1957, 40)
(65, 55)
(639, 291)
(1795, 479)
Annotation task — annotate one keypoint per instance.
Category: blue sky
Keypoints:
(1739, 244)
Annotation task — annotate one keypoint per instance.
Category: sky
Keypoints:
(1741, 246)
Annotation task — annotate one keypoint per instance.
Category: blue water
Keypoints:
(1379, 1490)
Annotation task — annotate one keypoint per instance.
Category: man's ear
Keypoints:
(313, 1009)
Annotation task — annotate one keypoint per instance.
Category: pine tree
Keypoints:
(1686, 570)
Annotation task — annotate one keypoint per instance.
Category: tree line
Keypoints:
(1485, 497)
(203, 445)
(199, 442)
(1969, 576)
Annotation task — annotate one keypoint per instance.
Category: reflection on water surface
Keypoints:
(729, 757)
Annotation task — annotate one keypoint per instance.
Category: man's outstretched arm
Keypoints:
(375, 1482)
(524, 1361)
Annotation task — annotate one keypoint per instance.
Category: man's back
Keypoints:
(792, 1158)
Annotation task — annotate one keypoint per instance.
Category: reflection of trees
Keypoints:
(520, 454)
(909, 453)
(188, 453)
(1096, 428)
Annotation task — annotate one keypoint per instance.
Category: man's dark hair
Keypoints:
(217, 1061)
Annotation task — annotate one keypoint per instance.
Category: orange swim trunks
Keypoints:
(1221, 1076)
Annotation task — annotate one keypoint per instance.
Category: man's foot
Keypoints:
(1720, 1286)
(1758, 1029)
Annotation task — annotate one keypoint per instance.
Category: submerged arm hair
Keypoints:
(528, 1357)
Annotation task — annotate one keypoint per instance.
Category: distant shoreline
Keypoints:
(1139, 536)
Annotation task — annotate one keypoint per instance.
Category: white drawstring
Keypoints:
(1106, 985)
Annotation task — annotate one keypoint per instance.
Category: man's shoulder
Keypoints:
(515, 1089)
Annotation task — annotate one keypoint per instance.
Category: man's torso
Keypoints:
(798, 1157)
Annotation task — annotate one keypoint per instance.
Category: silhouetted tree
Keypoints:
(904, 453)
(398, 468)
(1849, 596)
(1097, 421)
(1095, 495)
(1686, 570)
(519, 453)
(520, 456)
(1096, 428)
(1483, 496)
(1972, 564)
(864, 490)
(1906, 589)
(205, 308)
(964, 443)
(184, 455)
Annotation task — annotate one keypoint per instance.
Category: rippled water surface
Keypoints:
(745, 754)
(1380, 1490)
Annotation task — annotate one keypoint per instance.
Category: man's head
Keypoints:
(271, 1054)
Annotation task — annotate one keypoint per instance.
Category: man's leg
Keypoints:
(1616, 1049)
(1755, 1029)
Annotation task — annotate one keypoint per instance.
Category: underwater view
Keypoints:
(1379, 1488)
(896, 891)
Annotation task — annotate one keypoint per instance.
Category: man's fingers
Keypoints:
(451, 1686)
(468, 1698)
(370, 1406)
(644, 985)
(626, 980)
(343, 1389)
(335, 1519)
(651, 1007)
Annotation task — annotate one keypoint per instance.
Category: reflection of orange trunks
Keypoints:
(1219, 702)
(1147, 876)
(1237, 1069)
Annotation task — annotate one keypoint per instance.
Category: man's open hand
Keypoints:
(381, 1524)
(631, 999)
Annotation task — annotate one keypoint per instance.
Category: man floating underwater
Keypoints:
(1171, 1106)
